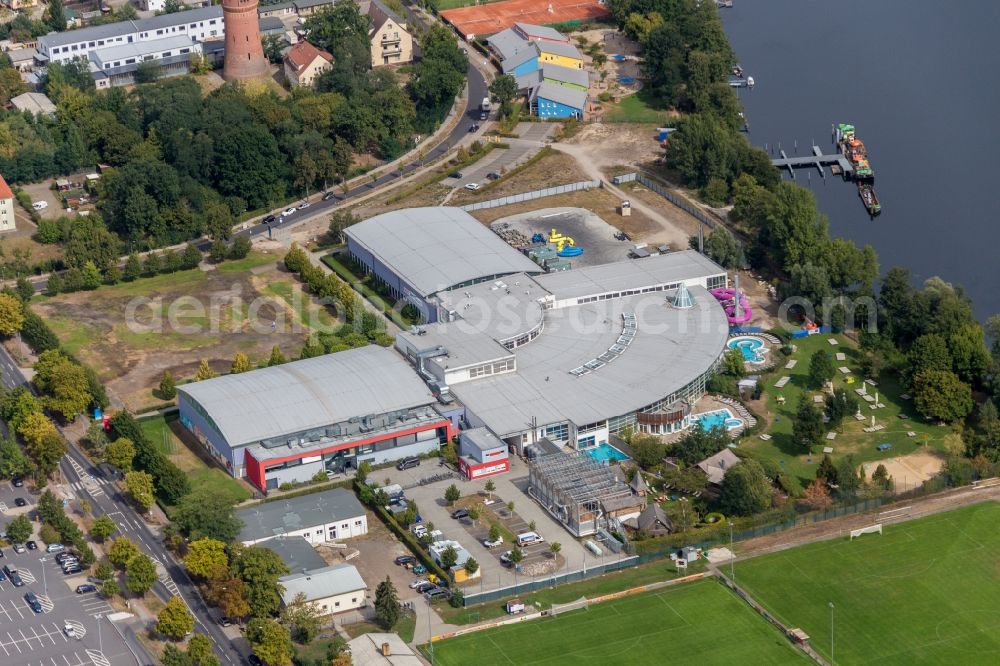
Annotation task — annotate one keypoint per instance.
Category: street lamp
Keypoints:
(100, 642)
(732, 554)
(831, 632)
(45, 585)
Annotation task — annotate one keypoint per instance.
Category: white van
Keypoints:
(528, 538)
(40, 205)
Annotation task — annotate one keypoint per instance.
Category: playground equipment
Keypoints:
(734, 302)
(565, 246)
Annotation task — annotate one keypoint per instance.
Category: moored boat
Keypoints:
(869, 199)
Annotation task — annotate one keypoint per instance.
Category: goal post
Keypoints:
(871, 529)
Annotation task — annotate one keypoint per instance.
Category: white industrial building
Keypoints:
(333, 589)
(327, 516)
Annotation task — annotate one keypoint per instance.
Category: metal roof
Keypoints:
(311, 393)
(482, 439)
(560, 49)
(661, 269)
(554, 92)
(137, 50)
(179, 18)
(274, 519)
(34, 102)
(507, 42)
(322, 583)
(518, 58)
(297, 553)
(578, 77)
(532, 31)
(434, 249)
(670, 349)
(122, 28)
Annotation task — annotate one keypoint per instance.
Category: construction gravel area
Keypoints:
(587, 229)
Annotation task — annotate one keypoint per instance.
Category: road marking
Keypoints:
(98, 658)
(26, 575)
(47, 604)
(78, 629)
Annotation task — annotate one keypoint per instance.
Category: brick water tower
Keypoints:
(244, 53)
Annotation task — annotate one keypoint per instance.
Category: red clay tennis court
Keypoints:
(493, 17)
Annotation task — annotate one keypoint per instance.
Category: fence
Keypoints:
(532, 584)
(537, 194)
(676, 200)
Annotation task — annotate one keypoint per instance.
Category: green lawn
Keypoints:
(696, 623)
(251, 261)
(922, 593)
(638, 108)
(405, 627)
(201, 474)
(853, 439)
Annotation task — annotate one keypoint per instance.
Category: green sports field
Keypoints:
(694, 623)
(925, 592)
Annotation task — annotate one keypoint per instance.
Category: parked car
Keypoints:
(474, 127)
(426, 587)
(419, 569)
(33, 601)
(269, 219)
(254, 660)
(472, 186)
(505, 558)
(85, 588)
(328, 196)
(20, 501)
(287, 212)
(418, 530)
(19, 548)
(55, 548)
(484, 116)
(455, 174)
(224, 622)
(493, 175)
(418, 582)
(403, 560)
(15, 579)
(490, 543)
(529, 538)
(62, 557)
(408, 463)
(460, 513)
(17, 482)
(436, 593)
(304, 204)
(31, 545)
(40, 205)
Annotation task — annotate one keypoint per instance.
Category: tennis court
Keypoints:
(493, 17)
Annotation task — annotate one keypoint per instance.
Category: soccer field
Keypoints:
(925, 592)
(694, 623)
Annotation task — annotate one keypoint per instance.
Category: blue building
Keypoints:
(517, 55)
(551, 100)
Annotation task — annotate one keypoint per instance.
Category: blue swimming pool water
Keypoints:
(604, 452)
(720, 418)
(751, 348)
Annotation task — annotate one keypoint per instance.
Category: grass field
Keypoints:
(638, 108)
(696, 623)
(922, 593)
(201, 474)
(852, 439)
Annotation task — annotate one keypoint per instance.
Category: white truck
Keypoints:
(486, 105)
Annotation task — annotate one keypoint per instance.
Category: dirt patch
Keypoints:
(131, 333)
(553, 168)
(909, 471)
(612, 144)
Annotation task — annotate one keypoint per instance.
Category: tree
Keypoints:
(190, 258)
(471, 566)
(241, 363)
(516, 556)
(140, 574)
(140, 487)
(881, 478)
(745, 489)
(386, 604)
(503, 90)
(303, 619)
(848, 477)
(821, 368)
(929, 352)
(229, 594)
(206, 558)
(102, 528)
(44, 444)
(555, 547)
(648, 451)
(110, 588)
(133, 268)
(120, 453)
(733, 364)
(204, 513)
(817, 496)
(494, 532)
(474, 513)
(19, 530)
(827, 471)
(260, 568)
(55, 16)
(807, 430)
(122, 551)
(490, 488)
(940, 395)
(25, 289)
(168, 387)
(64, 382)
(839, 406)
(173, 656)
(269, 640)
(204, 371)
(451, 494)
(698, 444)
(449, 556)
(11, 314)
(199, 649)
(174, 621)
(240, 248)
(13, 462)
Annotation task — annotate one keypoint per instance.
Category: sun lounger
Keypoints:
(831, 435)
(841, 356)
(911, 434)
(791, 364)
(844, 369)
(832, 341)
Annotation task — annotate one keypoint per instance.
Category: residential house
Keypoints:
(391, 43)
(318, 517)
(36, 103)
(559, 53)
(23, 60)
(271, 25)
(310, 7)
(304, 62)
(333, 589)
(7, 222)
(653, 521)
(277, 10)
(551, 100)
(715, 466)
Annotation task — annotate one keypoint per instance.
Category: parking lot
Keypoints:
(538, 561)
(533, 136)
(67, 631)
(587, 229)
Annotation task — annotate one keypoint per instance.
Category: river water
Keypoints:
(920, 80)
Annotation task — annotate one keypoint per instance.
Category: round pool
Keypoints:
(751, 347)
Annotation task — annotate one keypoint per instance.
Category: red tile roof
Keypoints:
(303, 54)
(5, 191)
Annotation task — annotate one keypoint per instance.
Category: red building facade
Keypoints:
(244, 52)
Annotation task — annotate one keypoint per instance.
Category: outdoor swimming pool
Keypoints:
(752, 348)
(720, 418)
(604, 452)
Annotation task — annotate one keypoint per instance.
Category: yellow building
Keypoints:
(558, 53)
(391, 44)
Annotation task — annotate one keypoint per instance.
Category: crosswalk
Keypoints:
(87, 482)
(165, 578)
